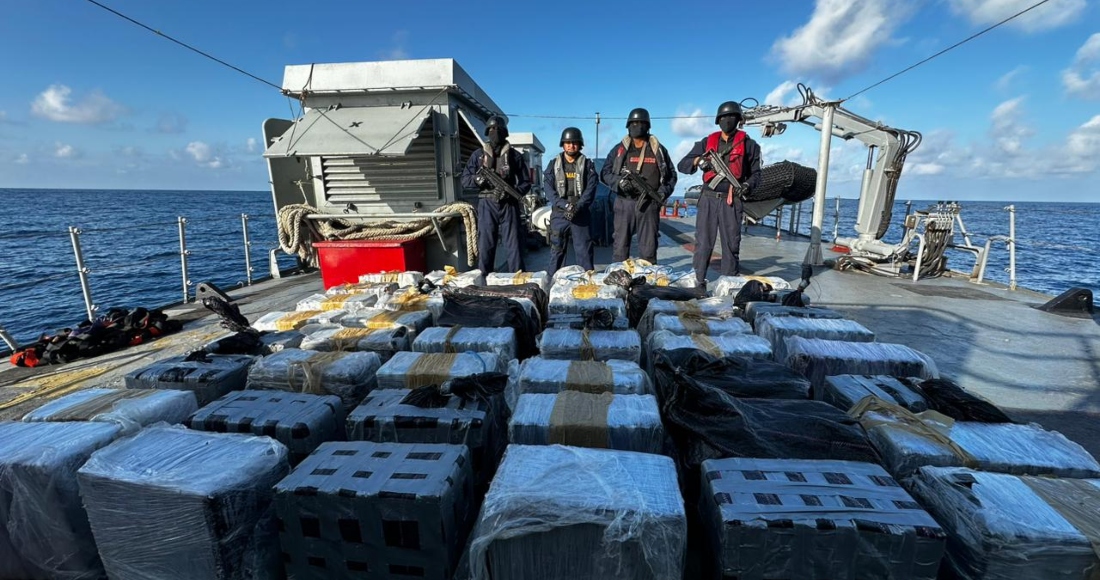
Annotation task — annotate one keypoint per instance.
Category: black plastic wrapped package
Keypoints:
(844, 391)
(687, 369)
(472, 311)
(348, 375)
(818, 359)
(209, 377)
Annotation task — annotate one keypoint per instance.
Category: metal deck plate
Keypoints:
(947, 291)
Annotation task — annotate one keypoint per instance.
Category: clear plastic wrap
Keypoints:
(601, 421)
(569, 273)
(269, 342)
(1004, 527)
(844, 391)
(383, 341)
(729, 285)
(776, 329)
(655, 274)
(208, 378)
(402, 279)
(479, 424)
(378, 289)
(414, 322)
(279, 321)
(818, 359)
(376, 511)
(409, 370)
(297, 420)
(689, 369)
(567, 312)
(688, 323)
(348, 375)
(617, 514)
(44, 530)
(721, 307)
(908, 441)
(502, 279)
(344, 301)
(412, 300)
(742, 345)
(131, 409)
(834, 520)
(170, 503)
(499, 341)
(449, 276)
(754, 310)
(584, 289)
(549, 376)
(570, 344)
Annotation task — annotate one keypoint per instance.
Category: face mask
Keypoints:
(637, 131)
(496, 139)
(728, 125)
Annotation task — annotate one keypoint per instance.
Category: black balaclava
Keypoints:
(496, 138)
(638, 130)
(729, 124)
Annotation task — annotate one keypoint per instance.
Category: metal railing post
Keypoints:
(247, 248)
(182, 221)
(836, 220)
(778, 222)
(790, 224)
(1011, 246)
(7, 338)
(82, 271)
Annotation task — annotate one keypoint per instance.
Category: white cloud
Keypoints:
(781, 95)
(64, 151)
(204, 155)
(1008, 128)
(171, 124)
(693, 124)
(1051, 15)
(251, 144)
(1005, 82)
(54, 104)
(1080, 149)
(1082, 79)
(22, 159)
(841, 37)
(397, 51)
(924, 168)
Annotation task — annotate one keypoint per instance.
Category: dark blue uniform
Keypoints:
(561, 229)
(715, 217)
(658, 172)
(499, 224)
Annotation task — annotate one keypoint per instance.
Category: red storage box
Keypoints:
(343, 262)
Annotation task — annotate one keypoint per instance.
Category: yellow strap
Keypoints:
(447, 346)
(295, 320)
(1078, 502)
(587, 352)
(388, 319)
(335, 302)
(521, 278)
(929, 425)
(87, 410)
(688, 306)
(589, 377)
(694, 323)
(585, 291)
(348, 338)
(314, 369)
(449, 274)
(661, 280)
(430, 369)
(580, 420)
(707, 345)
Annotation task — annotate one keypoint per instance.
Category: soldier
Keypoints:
(720, 210)
(499, 216)
(571, 185)
(642, 155)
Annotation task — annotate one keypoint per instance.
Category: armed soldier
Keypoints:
(730, 161)
(571, 185)
(640, 172)
(500, 175)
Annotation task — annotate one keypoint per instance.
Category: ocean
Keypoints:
(130, 242)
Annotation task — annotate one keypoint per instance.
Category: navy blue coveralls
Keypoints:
(499, 223)
(714, 216)
(658, 172)
(561, 229)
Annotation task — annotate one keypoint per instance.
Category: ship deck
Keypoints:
(1039, 367)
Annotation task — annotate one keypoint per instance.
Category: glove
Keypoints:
(570, 211)
(626, 186)
(483, 182)
(704, 164)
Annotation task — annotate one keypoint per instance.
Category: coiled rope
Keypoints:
(297, 233)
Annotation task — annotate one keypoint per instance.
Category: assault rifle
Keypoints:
(722, 171)
(500, 187)
(635, 183)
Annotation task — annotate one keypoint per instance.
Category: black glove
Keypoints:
(483, 182)
(704, 164)
(570, 211)
(626, 186)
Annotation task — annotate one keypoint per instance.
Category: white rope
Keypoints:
(297, 233)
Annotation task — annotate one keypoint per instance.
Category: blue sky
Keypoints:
(92, 101)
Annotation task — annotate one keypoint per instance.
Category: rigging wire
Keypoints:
(952, 47)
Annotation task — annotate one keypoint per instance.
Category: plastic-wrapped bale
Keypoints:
(344, 301)
(828, 520)
(844, 391)
(470, 309)
(382, 341)
(700, 324)
(269, 342)
(449, 276)
(654, 274)
(413, 321)
(570, 273)
(376, 510)
(170, 503)
(44, 529)
(560, 513)
(601, 421)
(413, 300)
(402, 279)
(687, 369)
(549, 376)
(907, 442)
(570, 344)
(409, 370)
(348, 375)
(378, 289)
(754, 310)
(502, 279)
(776, 329)
(729, 285)
(584, 288)
(740, 345)
(297, 420)
(1004, 527)
(568, 312)
(209, 378)
(721, 307)
(279, 321)
(384, 417)
(498, 341)
(131, 409)
(817, 359)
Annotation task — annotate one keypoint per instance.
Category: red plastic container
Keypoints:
(343, 262)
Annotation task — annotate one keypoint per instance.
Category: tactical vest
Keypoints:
(559, 174)
(502, 167)
(654, 145)
(737, 154)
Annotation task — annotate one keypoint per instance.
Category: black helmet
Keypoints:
(728, 108)
(572, 134)
(498, 122)
(638, 114)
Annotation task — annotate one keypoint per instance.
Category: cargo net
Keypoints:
(787, 180)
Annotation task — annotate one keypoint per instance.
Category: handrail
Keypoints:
(410, 215)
